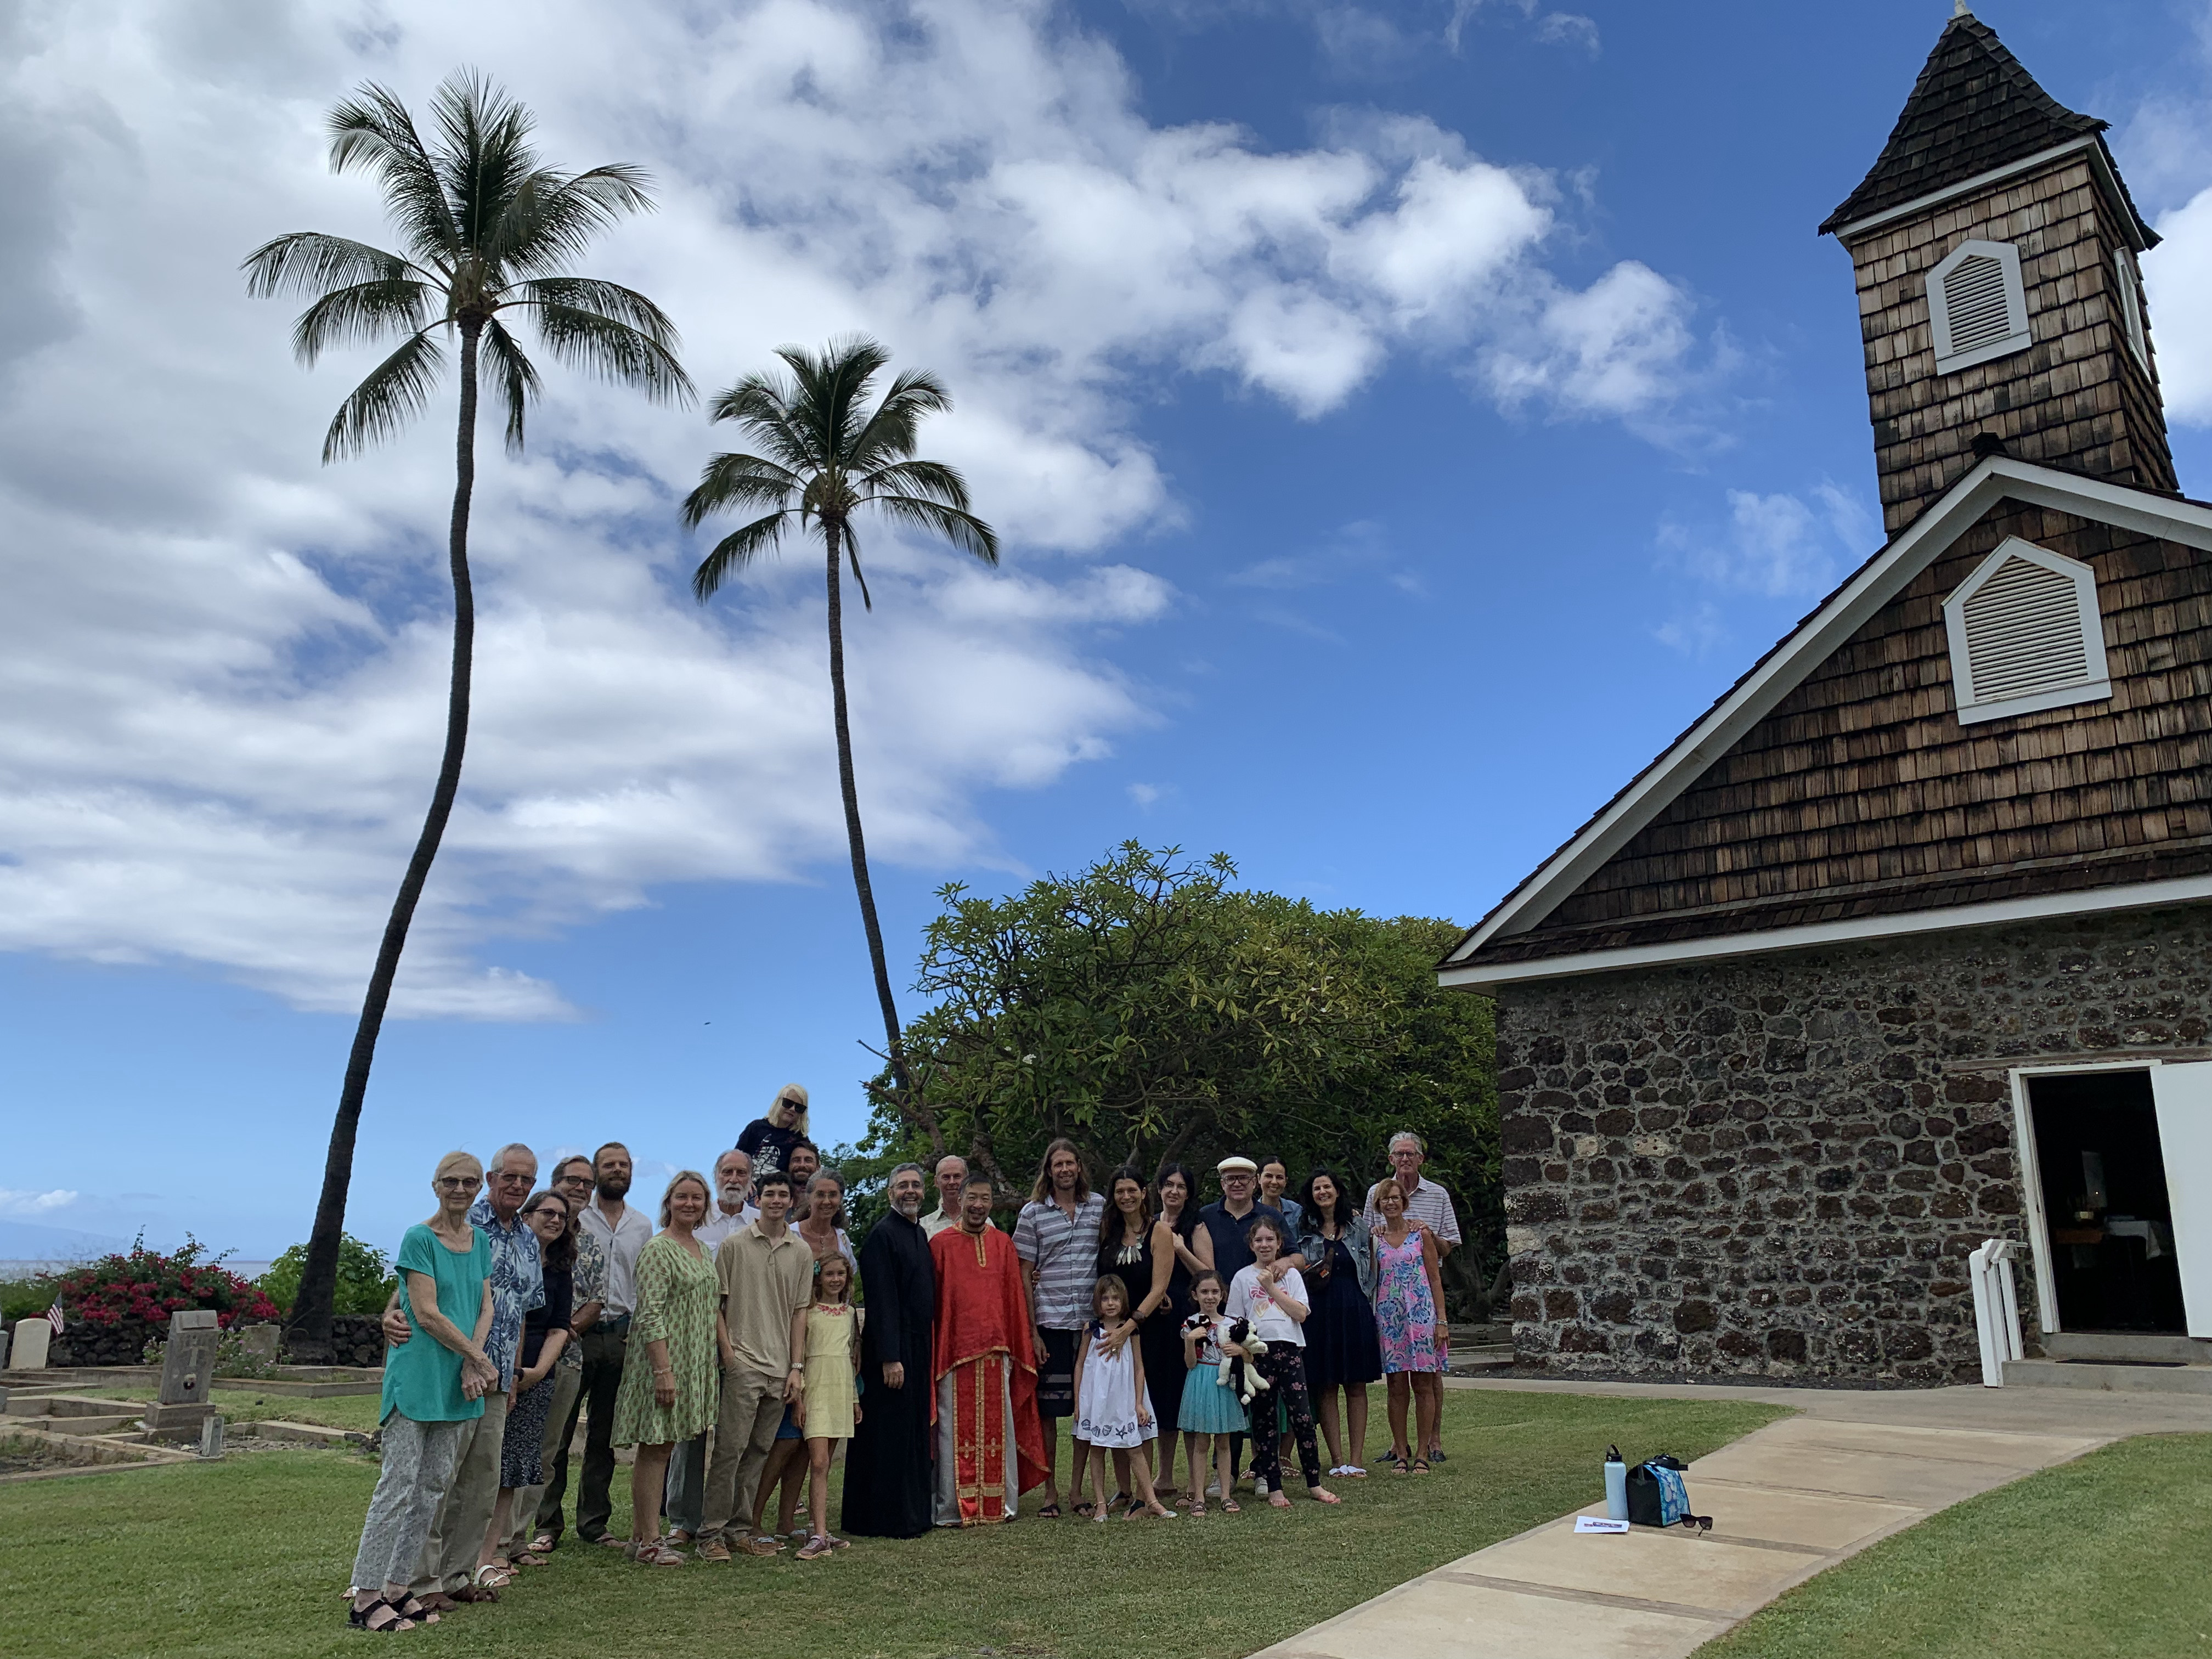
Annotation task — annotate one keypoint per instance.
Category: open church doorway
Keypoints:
(2122, 1160)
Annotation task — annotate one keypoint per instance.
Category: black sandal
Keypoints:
(365, 1619)
(1049, 1513)
(412, 1608)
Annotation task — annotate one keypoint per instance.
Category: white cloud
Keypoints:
(1773, 547)
(2177, 274)
(13, 1203)
(222, 668)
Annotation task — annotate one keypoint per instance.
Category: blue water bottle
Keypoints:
(1616, 1486)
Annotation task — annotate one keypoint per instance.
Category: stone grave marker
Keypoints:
(32, 1337)
(187, 1372)
(259, 1342)
(7, 1341)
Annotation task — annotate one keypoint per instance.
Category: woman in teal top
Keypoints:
(430, 1390)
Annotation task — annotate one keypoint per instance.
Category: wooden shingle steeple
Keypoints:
(1995, 247)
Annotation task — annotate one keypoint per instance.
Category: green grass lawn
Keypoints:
(250, 1555)
(2105, 1555)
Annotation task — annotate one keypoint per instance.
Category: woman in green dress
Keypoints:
(676, 1394)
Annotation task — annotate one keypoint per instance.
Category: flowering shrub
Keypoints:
(146, 1286)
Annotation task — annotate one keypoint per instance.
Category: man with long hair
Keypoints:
(1056, 1239)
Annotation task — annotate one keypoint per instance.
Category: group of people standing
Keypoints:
(725, 1345)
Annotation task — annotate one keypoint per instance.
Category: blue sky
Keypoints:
(1402, 422)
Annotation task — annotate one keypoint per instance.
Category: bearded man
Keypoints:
(985, 1371)
(887, 1464)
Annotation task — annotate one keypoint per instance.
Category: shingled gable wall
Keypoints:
(1862, 794)
(1776, 1164)
(2078, 398)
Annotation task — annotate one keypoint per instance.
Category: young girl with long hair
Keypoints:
(1409, 1302)
(1111, 1411)
(1210, 1410)
(830, 1407)
(1273, 1297)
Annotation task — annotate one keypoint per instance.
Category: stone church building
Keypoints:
(1906, 944)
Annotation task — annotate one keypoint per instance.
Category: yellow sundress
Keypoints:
(830, 1396)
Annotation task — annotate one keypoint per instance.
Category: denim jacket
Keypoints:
(1356, 1239)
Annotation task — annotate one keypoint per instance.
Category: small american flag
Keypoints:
(54, 1317)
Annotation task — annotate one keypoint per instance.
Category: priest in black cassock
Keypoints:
(887, 1491)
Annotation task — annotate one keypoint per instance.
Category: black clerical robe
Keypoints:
(887, 1493)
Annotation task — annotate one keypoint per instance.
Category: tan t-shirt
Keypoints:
(764, 1283)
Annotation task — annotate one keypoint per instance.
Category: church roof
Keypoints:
(1973, 109)
(1511, 935)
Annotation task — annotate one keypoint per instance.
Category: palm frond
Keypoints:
(366, 312)
(932, 480)
(514, 376)
(734, 552)
(733, 480)
(484, 152)
(761, 405)
(853, 559)
(555, 217)
(891, 431)
(964, 530)
(372, 131)
(613, 350)
(311, 262)
(395, 392)
(623, 305)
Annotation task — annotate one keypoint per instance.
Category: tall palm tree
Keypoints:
(488, 233)
(827, 455)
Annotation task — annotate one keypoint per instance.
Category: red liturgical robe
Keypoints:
(985, 1346)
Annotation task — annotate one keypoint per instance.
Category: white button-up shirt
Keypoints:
(1429, 1205)
(622, 1244)
(721, 1224)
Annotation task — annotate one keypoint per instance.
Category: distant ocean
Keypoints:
(27, 1269)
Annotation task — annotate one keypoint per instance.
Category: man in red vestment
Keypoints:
(985, 1371)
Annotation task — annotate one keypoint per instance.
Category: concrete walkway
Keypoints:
(1788, 1501)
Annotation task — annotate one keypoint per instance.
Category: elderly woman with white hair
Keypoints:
(432, 1391)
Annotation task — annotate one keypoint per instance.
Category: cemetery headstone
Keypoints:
(187, 1372)
(32, 1337)
(7, 1340)
(258, 1342)
(211, 1438)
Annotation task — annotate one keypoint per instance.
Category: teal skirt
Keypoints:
(1207, 1407)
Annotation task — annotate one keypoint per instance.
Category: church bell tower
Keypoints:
(1995, 246)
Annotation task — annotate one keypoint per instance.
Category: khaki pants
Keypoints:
(744, 1431)
(567, 1383)
(457, 1532)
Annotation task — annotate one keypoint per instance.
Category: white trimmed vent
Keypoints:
(2131, 305)
(2025, 635)
(1976, 306)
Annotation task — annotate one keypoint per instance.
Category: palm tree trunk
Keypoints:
(311, 1314)
(910, 1102)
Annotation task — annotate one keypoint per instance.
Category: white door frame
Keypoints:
(2031, 1173)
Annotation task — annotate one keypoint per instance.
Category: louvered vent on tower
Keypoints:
(2025, 635)
(1976, 307)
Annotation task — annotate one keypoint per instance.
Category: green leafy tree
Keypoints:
(488, 233)
(1150, 1009)
(826, 456)
(365, 1283)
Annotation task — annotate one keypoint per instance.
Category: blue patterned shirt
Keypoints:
(518, 1285)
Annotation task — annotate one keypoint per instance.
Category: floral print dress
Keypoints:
(1405, 1312)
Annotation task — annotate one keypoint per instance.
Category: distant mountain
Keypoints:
(22, 1241)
